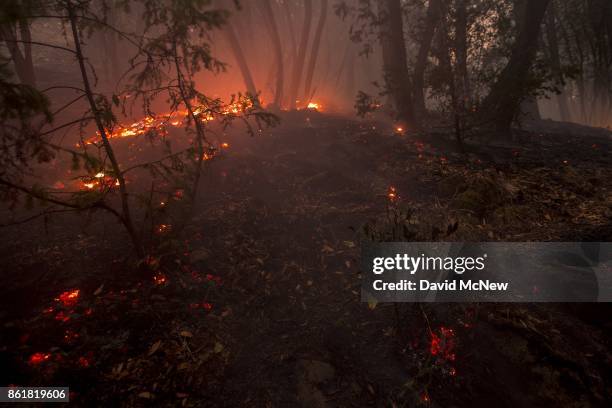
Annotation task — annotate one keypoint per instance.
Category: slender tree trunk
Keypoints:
(461, 47)
(314, 52)
(24, 67)
(26, 36)
(291, 28)
(511, 88)
(432, 18)
(395, 64)
(126, 217)
(298, 65)
(445, 56)
(350, 74)
(278, 51)
(555, 60)
(112, 46)
(240, 60)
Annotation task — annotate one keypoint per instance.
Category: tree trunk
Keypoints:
(511, 88)
(314, 52)
(298, 65)
(278, 51)
(555, 60)
(418, 78)
(126, 217)
(24, 67)
(395, 66)
(461, 47)
(240, 60)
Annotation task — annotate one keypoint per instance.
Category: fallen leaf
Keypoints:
(327, 248)
(99, 290)
(186, 333)
(155, 347)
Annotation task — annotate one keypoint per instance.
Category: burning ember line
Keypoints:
(174, 119)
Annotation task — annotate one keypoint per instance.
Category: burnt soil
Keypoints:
(261, 301)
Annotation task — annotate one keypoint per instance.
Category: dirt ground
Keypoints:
(262, 305)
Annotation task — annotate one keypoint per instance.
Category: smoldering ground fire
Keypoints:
(186, 187)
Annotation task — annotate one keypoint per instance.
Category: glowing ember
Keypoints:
(62, 317)
(70, 336)
(314, 106)
(99, 175)
(69, 298)
(392, 194)
(224, 145)
(159, 279)
(38, 358)
(163, 228)
(90, 185)
(399, 129)
(443, 345)
(84, 362)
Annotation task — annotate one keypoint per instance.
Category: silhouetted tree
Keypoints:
(298, 66)
(395, 65)
(512, 86)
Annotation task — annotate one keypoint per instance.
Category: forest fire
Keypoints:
(171, 236)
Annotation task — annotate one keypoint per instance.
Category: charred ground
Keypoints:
(262, 306)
